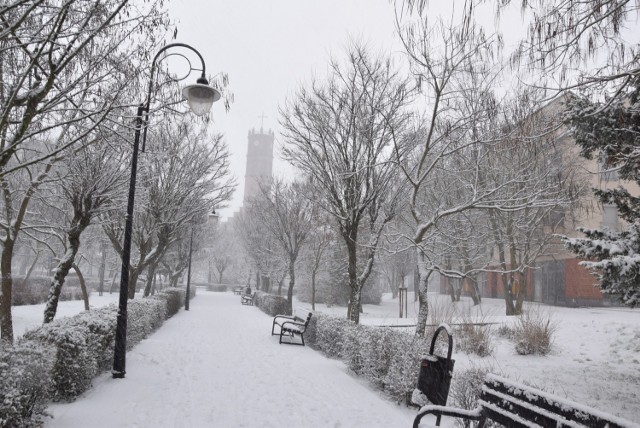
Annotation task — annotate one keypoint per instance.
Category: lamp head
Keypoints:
(201, 96)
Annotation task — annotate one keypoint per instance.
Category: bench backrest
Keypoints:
(516, 405)
(302, 318)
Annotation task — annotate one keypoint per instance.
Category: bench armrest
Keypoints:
(299, 324)
(473, 415)
(288, 317)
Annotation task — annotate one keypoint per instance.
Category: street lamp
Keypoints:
(186, 299)
(214, 216)
(201, 97)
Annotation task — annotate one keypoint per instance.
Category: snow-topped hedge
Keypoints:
(25, 383)
(271, 304)
(59, 360)
(388, 358)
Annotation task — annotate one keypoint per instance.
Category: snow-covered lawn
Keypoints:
(218, 366)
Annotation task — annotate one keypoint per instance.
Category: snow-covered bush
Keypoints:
(474, 338)
(174, 299)
(83, 344)
(271, 304)
(75, 364)
(533, 333)
(24, 383)
(404, 366)
(388, 358)
(329, 334)
(466, 386)
(217, 288)
(144, 316)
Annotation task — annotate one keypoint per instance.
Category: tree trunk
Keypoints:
(83, 287)
(416, 284)
(31, 267)
(475, 291)
(133, 282)
(6, 321)
(353, 311)
(61, 271)
(103, 266)
(113, 281)
(151, 273)
(292, 282)
(313, 288)
(423, 311)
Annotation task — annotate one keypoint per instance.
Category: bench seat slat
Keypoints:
(511, 403)
(537, 399)
(520, 406)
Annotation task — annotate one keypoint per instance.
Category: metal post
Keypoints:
(186, 299)
(119, 353)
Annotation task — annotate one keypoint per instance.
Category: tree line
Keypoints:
(484, 176)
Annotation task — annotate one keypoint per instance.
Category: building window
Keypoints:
(610, 216)
(607, 172)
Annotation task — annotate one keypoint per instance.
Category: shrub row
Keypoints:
(389, 359)
(36, 290)
(271, 304)
(59, 360)
(217, 288)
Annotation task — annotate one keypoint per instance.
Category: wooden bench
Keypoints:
(519, 406)
(247, 299)
(291, 326)
(239, 290)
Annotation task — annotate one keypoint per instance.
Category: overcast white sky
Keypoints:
(268, 48)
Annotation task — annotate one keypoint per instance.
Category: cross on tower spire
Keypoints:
(262, 118)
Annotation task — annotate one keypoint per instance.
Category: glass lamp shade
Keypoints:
(200, 97)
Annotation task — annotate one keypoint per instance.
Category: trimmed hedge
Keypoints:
(271, 304)
(24, 383)
(388, 358)
(59, 360)
(36, 290)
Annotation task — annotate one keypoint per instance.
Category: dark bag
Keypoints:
(436, 372)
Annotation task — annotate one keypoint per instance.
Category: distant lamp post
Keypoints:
(201, 97)
(186, 299)
(212, 217)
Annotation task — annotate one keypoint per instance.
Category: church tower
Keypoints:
(259, 162)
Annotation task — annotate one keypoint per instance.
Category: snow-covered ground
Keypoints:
(218, 366)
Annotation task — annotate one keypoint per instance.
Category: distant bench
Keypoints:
(518, 406)
(291, 326)
(247, 299)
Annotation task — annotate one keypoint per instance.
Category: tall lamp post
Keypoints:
(201, 97)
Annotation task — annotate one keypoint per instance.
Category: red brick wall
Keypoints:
(579, 283)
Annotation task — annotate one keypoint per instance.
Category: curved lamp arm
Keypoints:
(205, 94)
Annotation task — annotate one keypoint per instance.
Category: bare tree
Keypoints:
(64, 69)
(284, 212)
(90, 179)
(185, 174)
(579, 44)
(341, 134)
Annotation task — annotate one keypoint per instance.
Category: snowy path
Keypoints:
(218, 366)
